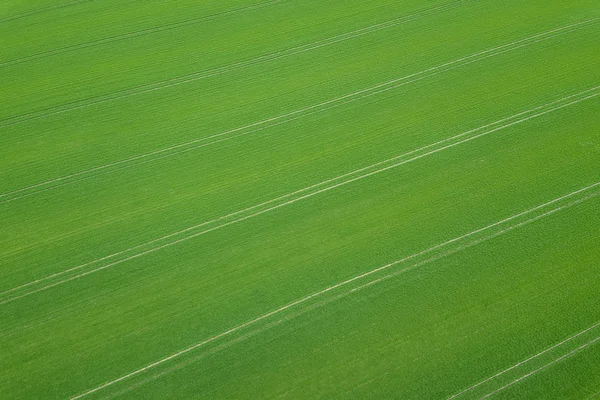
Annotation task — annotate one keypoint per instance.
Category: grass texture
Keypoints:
(299, 199)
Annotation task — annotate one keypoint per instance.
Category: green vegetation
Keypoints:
(223, 181)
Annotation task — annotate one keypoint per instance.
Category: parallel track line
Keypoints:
(350, 179)
(128, 35)
(366, 274)
(290, 116)
(159, 85)
(535, 371)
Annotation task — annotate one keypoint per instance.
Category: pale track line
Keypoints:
(528, 375)
(216, 71)
(186, 146)
(361, 276)
(274, 121)
(142, 32)
(43, 10)
(485, 238)
(224, 136)
(197, 144)
(594, 396)
(377, 164)
(537, 355)
(322, 183)
(272, 208)
(386, 277)
(178, 81)
(265, 203)
(373, 282)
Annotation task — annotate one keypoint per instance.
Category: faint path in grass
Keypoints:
(528, 360)
(546, 366)
(43, 10)
(431, 254)
(594, 396)
(285, 118)
(142, 32)
(163, 84)
(206, 227)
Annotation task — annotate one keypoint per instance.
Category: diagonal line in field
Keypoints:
(588, 190)
(391, 275)
(594, 396)
(287, 117)
(43, 10)
(535, 356)
(559, 359)
(127, 35)
(216, 71)
(331, 184)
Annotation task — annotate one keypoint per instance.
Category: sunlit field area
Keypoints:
(300, 199)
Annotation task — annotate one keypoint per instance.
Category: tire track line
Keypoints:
(367, 274)
(528, 375)
(293, 115)
(142, 32)
(388, 276)
(152, 87)
(43, 10)
(329, 185)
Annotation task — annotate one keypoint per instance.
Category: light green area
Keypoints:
(95, 285)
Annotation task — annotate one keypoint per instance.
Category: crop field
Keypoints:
(300, 199)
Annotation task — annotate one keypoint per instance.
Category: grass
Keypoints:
(72, 102)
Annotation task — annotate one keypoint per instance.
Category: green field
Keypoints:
(300, 199)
